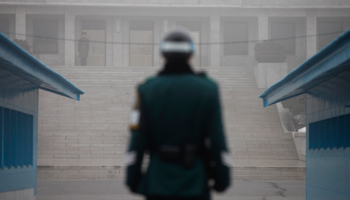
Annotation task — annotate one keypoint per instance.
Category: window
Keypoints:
(16, 138)
(5, 26)
(141, 49)
(324, 29)
(235, 32)
(330, 133)
(45, 36)
(280, 31)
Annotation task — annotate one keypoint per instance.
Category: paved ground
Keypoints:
(115, 190)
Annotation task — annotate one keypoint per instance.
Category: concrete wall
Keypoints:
(299, 139)
(328, 170)
(191, 3)
(18, 179)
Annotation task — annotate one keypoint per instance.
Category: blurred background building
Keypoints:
(87, 140)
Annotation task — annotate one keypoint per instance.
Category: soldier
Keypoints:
(177, 119)
(83, 49)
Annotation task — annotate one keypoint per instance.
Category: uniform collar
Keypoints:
(176, 67)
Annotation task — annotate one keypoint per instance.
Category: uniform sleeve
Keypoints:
(137, 145)
(218, 150)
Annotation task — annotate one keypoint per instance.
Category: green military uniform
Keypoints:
(173, 109)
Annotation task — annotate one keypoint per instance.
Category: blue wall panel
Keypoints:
(17, 179)
(328, 148)
(13, 139)
(7, 137)
(328, 174)
(18, 141)
(21, 105)
(1, 139)
(29, 147)
(330, 133)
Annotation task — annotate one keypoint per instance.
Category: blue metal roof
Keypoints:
(17, 62)
(323, 66)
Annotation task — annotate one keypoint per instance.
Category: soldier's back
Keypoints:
(177, 110)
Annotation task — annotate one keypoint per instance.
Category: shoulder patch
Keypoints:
(226, 159)
(135, 113)
(130, 158)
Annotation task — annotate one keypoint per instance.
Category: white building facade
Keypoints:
(116, 22)
(123, 48)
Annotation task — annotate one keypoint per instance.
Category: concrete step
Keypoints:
(271, 157)
(269, 173)
(118, 172)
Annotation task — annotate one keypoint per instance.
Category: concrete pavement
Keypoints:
(115, 190)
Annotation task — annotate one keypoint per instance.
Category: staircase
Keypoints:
(87, 139)
(254, 132)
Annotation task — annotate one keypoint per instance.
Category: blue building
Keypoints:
(325, 78)
(21, 75)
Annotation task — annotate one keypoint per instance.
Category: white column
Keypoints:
(311, 30)
(109, 38)
(260, 70)
(69, 35)
(157, 36)
(263, 26)
(20, 25)
(125, 39)
(215, 53)
(165, 26)
(118, 47)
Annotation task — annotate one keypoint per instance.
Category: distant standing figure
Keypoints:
(83, 48)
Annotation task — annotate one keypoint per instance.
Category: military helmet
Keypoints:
(177, 44)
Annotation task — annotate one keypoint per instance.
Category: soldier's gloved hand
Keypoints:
(133, 189)
(219, 187)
